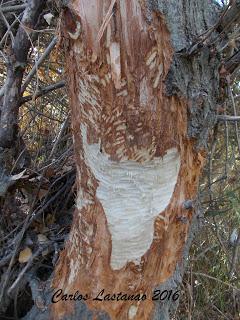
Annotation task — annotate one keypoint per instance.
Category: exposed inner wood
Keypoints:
(122, 118)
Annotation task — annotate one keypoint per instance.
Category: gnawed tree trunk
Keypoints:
(142, 110)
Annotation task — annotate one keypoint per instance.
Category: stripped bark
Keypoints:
(142, 112)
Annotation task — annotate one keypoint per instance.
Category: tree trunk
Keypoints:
(143, 106)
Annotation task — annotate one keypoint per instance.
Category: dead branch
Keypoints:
(19, 7)
(23, 271)
(15, 69)
(60, 134)
(215, 279)
(38, 63)
(43, 91)
(228, 118)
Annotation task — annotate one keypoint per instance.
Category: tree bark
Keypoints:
(142, 111)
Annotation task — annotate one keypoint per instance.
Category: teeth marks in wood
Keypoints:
(132, 195)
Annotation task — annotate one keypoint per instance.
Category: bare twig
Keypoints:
(235, 256)
(216, 279)
(228, 118)
(8, 26)
(222, 314)
(5, 260)
(216, 230)
(63, 128)
(23, 271)
(235, 115)
(227, 146)
(15, 251)
(43, 91)
(229, 17)
(38, 63)
(9, 31)
(232, 15)
(19, 7)
(204, 36)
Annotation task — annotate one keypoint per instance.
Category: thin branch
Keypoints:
(207, 34)
(18, 241)
(58, 139)
(24, 270)
(228, 118)
(232, 16)
(235, 114)
(227, 146)
(5, 260)
(235, 256)
(215, 279)
(38, 63)
(9, 30)
(221, 313)
(43, 91)
(229, 17)
(13, 8)
(8, 26)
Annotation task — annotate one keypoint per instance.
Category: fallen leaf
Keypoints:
(48, 17)
(25, 255)
(42, 193)
(50, 172)
(17, 176)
